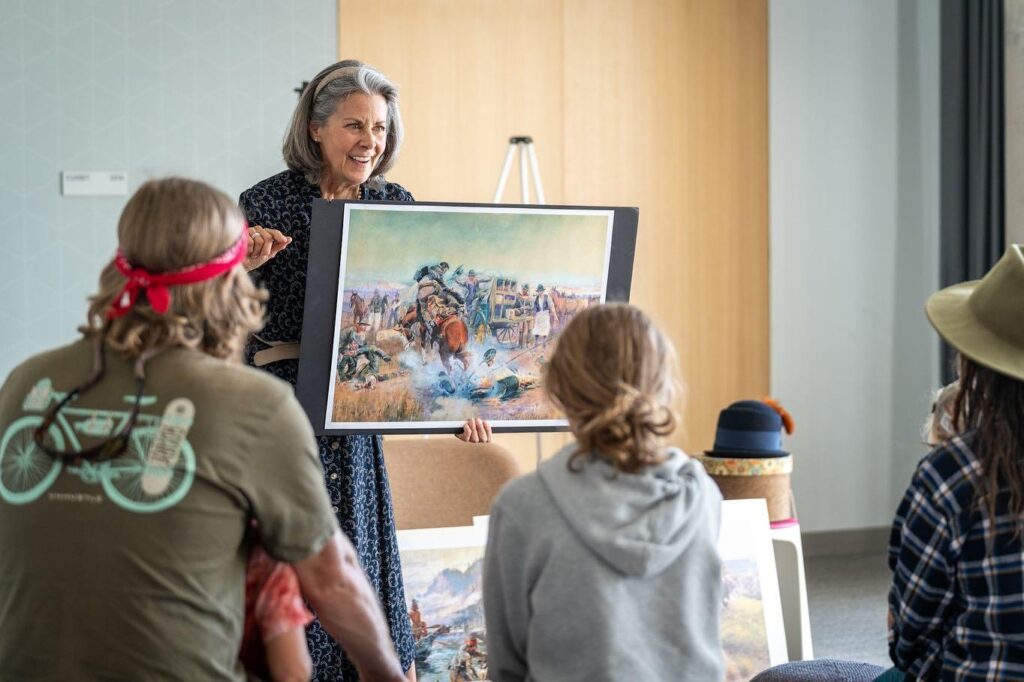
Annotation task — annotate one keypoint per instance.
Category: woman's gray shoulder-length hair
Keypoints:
(317, 104)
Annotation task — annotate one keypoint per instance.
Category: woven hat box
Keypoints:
(743, 479)
(748, 461)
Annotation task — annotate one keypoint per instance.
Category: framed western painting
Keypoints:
(419, 316)
(442, 569)
(753, 630)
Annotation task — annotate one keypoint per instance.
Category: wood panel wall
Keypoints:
(657, 104)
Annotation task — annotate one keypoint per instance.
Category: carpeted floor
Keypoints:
(847, 601)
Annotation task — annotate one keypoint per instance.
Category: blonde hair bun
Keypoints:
(613, 374)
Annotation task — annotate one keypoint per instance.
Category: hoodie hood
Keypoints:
(638, 523)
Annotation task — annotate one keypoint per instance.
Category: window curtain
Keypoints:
(972, 142)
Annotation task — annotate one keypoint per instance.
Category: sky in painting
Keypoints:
(388, 246)
(421, 567)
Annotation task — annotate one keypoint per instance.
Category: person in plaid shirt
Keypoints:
(957, 543)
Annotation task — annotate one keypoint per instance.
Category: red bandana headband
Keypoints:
(155, 285)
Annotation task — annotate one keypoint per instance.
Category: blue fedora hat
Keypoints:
(748, 429)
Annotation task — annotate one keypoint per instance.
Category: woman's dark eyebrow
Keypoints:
(349, 119)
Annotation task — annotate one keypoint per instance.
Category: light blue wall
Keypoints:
(854, 139)
(201, 88)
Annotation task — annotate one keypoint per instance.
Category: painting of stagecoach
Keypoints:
(447, 312)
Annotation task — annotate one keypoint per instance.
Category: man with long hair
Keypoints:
(136, 461)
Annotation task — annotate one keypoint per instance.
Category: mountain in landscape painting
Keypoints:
(454, 596)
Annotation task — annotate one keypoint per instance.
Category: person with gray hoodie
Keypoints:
(602, 565)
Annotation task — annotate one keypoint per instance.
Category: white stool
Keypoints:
(789, 564)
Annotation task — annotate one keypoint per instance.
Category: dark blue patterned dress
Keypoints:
(354, 465)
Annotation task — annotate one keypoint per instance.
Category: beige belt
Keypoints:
(278, 350)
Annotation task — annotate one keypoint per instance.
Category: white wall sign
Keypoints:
(94, 183)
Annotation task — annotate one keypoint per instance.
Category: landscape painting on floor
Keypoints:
(753, 633)
(442, 569)
(443, 573)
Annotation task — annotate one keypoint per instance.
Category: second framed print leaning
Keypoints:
(445, 312)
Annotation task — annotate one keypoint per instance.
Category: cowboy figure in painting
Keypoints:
(348, 336)
(432, 298)
(543, 312)
(471, 283)
(502, 382)
(392, 314)
(373, 355)
(433, 272)
(478, 311)
(497, 382)
(433, 275)
(378, 304)
(525, 306)
(525, 300)
(348, 361)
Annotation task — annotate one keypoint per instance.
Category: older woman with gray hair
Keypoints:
(344, 135)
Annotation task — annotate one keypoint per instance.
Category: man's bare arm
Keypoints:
(333, 582)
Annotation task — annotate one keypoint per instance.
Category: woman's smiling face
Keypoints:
(353, 138)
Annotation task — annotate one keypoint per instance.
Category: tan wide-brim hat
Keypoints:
(984, 319)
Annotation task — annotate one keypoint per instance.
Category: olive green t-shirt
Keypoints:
(134, 568)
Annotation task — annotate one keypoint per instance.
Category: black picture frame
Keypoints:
(323, 280)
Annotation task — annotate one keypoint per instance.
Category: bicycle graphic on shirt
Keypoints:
(154, 472)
